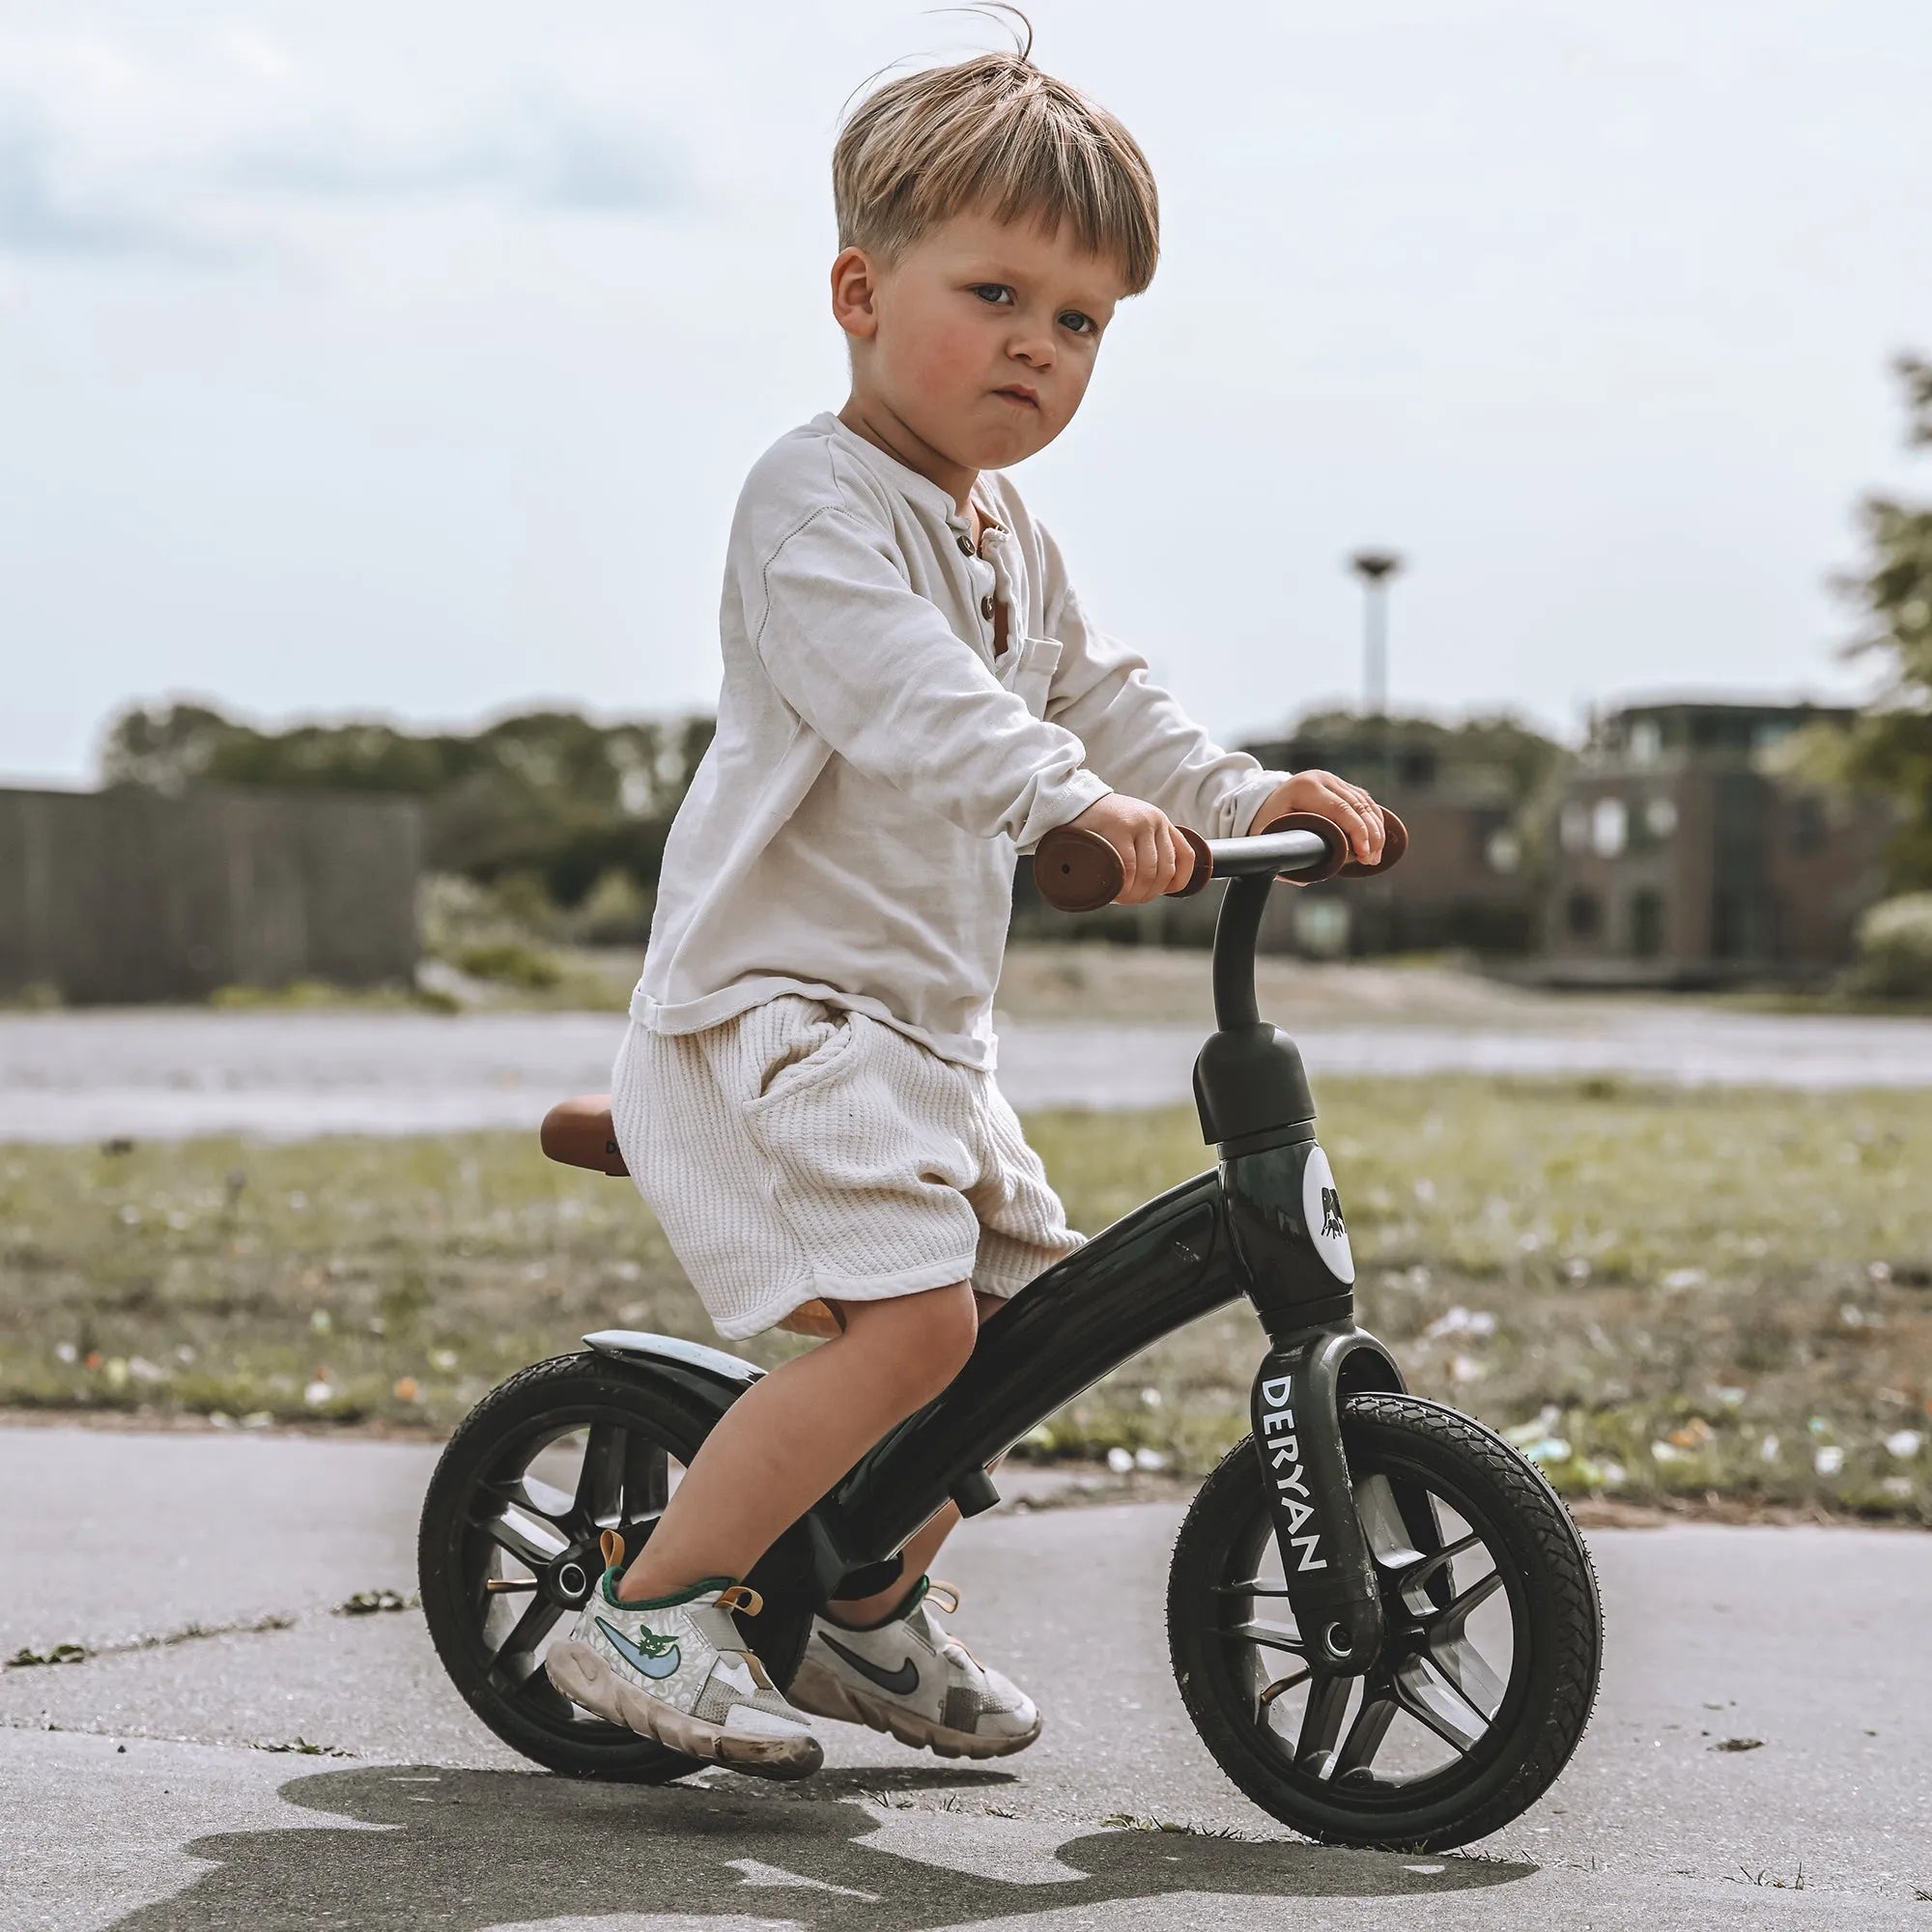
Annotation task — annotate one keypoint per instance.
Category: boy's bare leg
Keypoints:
(923, 1546)
(796, 1431)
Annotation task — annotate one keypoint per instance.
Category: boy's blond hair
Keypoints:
(995, 136)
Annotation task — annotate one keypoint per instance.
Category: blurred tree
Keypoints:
(1892, 746)
(1518, 757)
(546, 793)
(165, 749)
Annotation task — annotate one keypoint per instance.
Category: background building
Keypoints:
(1467, 795)
(1683, 856)
(128, 895)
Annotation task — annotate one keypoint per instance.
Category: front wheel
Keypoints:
(1492, 1639)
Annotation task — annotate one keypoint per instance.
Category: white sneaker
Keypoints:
(676, 1669)
(907, 1676)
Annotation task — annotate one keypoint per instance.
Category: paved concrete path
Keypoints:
(144, 1788)
(167, 1072)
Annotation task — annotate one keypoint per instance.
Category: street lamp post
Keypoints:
(1374, 567)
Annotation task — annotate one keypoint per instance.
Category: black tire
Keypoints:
(1295, 1761)
(635, 1423)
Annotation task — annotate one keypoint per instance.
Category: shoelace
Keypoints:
(952, 1610)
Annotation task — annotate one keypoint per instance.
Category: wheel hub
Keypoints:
(568, 1581)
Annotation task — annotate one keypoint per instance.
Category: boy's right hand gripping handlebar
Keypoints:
(1079, 871)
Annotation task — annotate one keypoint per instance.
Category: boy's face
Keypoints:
(974, 315)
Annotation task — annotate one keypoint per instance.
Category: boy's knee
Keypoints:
(952, 1329)
(923, 1339)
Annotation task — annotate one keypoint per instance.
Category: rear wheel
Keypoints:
(508, 1551)
(1491, 1647)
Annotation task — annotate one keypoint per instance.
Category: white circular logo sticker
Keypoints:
(1322, 1209)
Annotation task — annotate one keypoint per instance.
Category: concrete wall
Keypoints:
(125, 896)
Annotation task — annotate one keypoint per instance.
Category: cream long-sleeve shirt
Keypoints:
(851, 831)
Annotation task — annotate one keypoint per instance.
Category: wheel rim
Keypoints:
(528, 1529)
(1439, 1699)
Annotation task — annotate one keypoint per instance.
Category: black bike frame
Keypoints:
(1247, 1228)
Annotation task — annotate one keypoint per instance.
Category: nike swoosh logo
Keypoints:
(664, 1664)
(901, 1682)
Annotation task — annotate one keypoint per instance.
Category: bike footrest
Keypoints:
(975, 1492)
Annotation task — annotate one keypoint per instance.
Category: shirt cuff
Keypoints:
(1247, 798)
(1061, 804)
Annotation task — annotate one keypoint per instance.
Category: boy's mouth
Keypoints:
(1025, 397)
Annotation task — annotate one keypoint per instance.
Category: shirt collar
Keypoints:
(920, 490)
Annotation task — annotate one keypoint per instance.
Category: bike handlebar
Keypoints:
(1079, 871)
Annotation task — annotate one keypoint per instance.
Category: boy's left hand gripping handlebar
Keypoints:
(1078, 872)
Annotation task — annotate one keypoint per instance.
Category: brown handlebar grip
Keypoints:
(1339, 865)
(1395, 842)
(1327, 830)
(1203, 866)
(1076, 871)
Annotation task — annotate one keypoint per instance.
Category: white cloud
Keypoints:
(543, 155)
(43, 214)
(255, 53)
(120, 146)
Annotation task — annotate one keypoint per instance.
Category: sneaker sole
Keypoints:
(580, 1674)
(816, 1690)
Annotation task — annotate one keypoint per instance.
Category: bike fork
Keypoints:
(1285, 1218)
(1330, 1575)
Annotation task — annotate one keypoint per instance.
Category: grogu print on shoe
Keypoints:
(675, 1668)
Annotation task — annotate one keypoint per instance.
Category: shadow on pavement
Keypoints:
(472, 1849)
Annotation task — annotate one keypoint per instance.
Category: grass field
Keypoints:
(1657, 1292)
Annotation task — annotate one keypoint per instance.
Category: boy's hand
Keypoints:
(1348, 804)
(1155, 858)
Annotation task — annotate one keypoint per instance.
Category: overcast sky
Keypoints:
(407, 357)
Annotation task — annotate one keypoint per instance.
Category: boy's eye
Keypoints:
(1080, 323)
(997, 289)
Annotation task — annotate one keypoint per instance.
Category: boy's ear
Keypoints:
(854, 292)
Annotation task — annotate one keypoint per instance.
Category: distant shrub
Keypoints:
(37, 996)
(1895, 949)
(617, 911)
(513, 964)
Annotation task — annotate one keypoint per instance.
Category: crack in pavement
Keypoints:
(26, 1657)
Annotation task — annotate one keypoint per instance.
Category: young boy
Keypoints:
(912, 696)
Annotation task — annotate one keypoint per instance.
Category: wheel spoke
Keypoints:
(1427, 1568)
(1254, 1587)
(531, 1538)
(515, 1662)
(532, 1495)
(1272, 1636)
(646, 1488)
(1468, 1670)
(1382, 1524)
(1321, 1724)
(1366, 1734)
(1427, 1696)
(1458, 1658)
(600, 1484)
(1457, 1613)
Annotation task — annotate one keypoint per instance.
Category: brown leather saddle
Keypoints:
(578, 1132)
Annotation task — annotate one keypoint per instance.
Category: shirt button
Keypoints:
(965, 546)
(986, 608)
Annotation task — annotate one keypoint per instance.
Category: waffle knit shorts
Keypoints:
(799, 1151)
